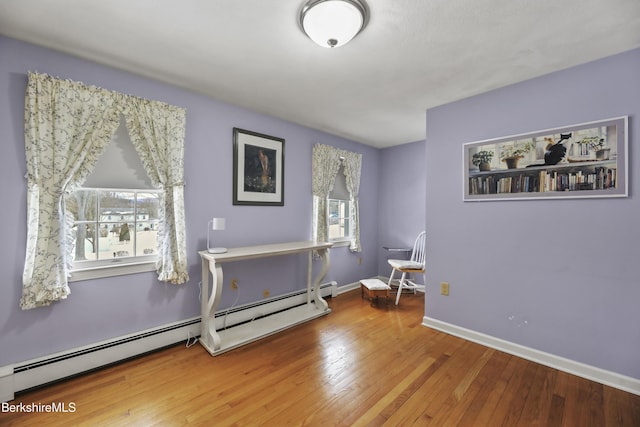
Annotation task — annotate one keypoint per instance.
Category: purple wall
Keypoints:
(401, 209)
(101, 309)
(560, 276)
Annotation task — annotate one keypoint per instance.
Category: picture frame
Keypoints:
(577, 161)
(258, 169)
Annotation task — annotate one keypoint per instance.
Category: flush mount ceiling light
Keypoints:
(332, 23)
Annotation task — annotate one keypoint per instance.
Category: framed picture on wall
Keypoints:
(583, 160)
(258, 169)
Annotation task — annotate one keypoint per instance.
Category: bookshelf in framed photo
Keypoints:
(583, 160)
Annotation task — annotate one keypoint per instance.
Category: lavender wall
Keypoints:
(101, 309)
(560, 276)
(401, 209)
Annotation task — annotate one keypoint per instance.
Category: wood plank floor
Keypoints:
(359, 366)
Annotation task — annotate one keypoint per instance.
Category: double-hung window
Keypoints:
(116, 215)
(114, 226)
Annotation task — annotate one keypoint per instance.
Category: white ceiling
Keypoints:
(413, 54)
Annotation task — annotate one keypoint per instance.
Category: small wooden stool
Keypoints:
(375, 288)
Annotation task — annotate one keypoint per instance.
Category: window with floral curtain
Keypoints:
(325, 165)
(67, 127)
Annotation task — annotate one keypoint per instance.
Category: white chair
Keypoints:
(414, 265)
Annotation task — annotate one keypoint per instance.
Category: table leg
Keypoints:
(317, 297)
(209, 337)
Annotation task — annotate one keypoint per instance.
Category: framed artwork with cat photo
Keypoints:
(582, 160)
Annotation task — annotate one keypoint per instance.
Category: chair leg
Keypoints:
(402, 279)
(393, 272)
(412, 285)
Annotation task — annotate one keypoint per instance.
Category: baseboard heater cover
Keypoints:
(57, 366)
(236, 316)
(54, 367)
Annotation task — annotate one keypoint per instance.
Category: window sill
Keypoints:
(341, 243)
(110, 271)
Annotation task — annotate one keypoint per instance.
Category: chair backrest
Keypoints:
(418, 253)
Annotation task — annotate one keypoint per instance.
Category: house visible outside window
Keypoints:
(100, 241)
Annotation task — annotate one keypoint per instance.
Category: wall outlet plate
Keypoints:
(444, 288)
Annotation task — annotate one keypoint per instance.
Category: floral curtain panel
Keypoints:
(352, 170)
(325, 164)
(157, 132)
(324, 168)
(67, 127)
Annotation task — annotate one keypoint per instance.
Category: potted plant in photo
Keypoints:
(511, 154)
(589, 146)
(598, 145)
(482, 159)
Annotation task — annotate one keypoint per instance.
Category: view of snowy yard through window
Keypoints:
(114, 224)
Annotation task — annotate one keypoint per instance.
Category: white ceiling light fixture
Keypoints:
(333, 23)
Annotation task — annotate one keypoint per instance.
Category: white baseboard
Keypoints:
(348, 287)
(622, 382)
(43, 370)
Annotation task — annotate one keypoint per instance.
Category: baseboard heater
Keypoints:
(54, 367)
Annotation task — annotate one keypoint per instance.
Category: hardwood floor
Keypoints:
(359, 366)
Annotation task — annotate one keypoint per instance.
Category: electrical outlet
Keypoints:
(359, 260)
(266, 293)
(444, 288)
(234, 284)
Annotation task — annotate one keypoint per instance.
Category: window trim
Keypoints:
(340, 243)
(111, 271)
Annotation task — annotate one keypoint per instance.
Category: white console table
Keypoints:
(217, 342)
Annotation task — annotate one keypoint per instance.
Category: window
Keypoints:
(339, 215)
(339, 223)
(115, 229)
(100, 240)
(335, 185)
(68, 126)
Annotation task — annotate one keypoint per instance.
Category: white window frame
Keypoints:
(95, 269)
(345, 239)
